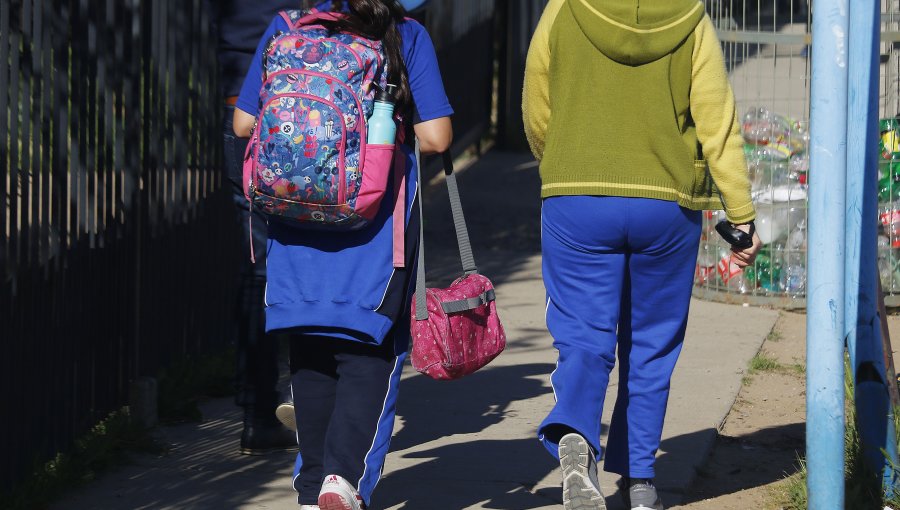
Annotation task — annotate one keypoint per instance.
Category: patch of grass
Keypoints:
(797, 368)
(746, 380)
(862, 487)
(762, 362)
(104, 446)
(189, 381)
(894, 500)
(791, 493)
(108, 444)
(774, 336)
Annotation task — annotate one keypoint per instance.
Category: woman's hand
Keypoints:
(745, 257)
(243, 123)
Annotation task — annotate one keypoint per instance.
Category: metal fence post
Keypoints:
(873, 413)
(825, 301)
(521, 18)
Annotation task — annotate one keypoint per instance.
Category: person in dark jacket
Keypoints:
(240, 25)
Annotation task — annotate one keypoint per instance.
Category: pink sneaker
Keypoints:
(338, 494)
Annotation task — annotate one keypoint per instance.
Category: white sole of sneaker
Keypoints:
(333, 501)
(579, 492)
(285, 414)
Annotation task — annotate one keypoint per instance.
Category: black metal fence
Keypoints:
(463, 32)
(518, 19)
(117, 247)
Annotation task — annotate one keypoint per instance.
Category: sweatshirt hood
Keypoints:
(635, 32)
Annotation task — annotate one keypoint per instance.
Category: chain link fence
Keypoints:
(766, 45)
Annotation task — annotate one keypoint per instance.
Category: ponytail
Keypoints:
(378, 20)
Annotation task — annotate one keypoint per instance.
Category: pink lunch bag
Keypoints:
(455, 331)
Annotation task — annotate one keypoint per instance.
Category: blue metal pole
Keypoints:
(825, 299)
(873, 410)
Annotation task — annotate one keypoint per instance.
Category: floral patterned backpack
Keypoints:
(308, 162)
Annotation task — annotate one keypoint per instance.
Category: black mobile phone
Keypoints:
(735, 236)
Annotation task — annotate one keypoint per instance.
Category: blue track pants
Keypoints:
(618, 273)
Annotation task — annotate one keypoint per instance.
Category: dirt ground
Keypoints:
(764, 434)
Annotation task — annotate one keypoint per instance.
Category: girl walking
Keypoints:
(626, 102)
(338, 294)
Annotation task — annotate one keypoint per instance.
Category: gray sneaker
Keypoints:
(581, 489)
(640, 494)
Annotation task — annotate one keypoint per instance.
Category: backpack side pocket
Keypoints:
(376, 169)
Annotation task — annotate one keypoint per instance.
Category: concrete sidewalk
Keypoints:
(469, 443)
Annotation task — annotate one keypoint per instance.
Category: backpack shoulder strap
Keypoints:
(297, 18)
(291, 16)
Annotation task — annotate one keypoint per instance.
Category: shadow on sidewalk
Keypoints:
(749, 461)
(502, 472)
(431, 410)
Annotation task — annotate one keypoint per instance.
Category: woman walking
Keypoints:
(626, 103)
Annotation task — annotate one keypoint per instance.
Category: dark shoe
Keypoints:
(261, 438)
(640, 494)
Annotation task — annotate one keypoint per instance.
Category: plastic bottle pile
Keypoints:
(778, 163)
(889, 205)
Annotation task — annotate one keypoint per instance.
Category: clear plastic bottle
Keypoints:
(797, 238)
(731, 276)
(769, 131)
(890, 219)
(770, 225)
(799, 135)
(706, 264)
(793, 275)
(884, 263)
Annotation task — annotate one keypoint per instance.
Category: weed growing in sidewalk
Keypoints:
(798, 369)
(104, 446)
(762, 362)
(791, 494)
(862, 487)
(109, 442)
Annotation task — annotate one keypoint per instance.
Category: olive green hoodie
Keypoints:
(631, 98)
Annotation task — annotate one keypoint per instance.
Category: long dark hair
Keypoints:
(378, 20)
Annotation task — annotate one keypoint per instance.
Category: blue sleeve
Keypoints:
(424, 74)
(248, 99)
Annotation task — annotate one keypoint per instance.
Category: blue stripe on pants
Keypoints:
(618, 273)
(345, 396)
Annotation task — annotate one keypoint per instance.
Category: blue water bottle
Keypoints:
(382, 128)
